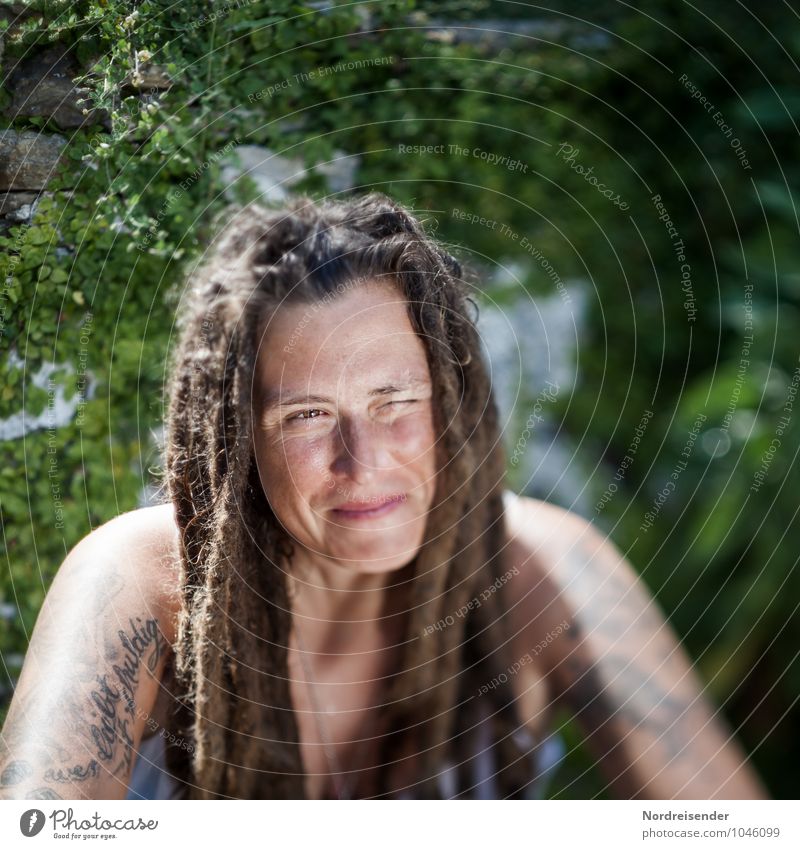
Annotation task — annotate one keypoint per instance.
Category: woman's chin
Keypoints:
(378, 550)
(374, 560)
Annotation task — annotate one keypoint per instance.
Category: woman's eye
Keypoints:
(400, 403)
(313, 413)
(305, 415)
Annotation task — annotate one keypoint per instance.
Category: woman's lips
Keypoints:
(366, 510)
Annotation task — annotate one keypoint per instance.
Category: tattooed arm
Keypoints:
(618, 665)
(91, 674)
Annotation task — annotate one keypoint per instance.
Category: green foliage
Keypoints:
(93, 281)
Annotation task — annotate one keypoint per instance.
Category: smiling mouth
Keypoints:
(368, 509)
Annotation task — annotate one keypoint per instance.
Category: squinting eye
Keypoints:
(304, 416)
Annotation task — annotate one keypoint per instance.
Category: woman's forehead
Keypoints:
(293, 391)
(359, 336)
(348, 323)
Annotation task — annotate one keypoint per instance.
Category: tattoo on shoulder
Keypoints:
(14, 773)
(631, 680)
(43, 793)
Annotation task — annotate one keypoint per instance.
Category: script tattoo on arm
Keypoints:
(73, 773)
(115, 712)
(102, 716)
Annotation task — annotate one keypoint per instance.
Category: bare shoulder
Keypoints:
(95, 664)
(535, 602)
(538, 527)
(138, 551)
(614, 660)
(548, 541)
(156, 524)
(568, 576)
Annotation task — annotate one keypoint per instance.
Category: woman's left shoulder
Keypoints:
(613, 659)
(538, 530)
(561, 555)
(562, 565)
(538, 536)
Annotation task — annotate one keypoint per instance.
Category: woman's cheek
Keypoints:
(307, 459)
(285, 459)
(414, 434)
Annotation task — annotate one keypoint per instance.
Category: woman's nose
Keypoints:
(362, 450)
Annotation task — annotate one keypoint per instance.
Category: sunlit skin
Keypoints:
(344, 421)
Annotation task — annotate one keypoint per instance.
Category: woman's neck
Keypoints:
(326, 596)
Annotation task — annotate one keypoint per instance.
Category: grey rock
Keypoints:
(13, 202)
(42, 86)
(28, 159)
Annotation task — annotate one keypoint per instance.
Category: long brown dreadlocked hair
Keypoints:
(233, 630)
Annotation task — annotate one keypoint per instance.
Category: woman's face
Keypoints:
(344, 431)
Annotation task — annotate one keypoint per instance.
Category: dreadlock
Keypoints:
(233, 631)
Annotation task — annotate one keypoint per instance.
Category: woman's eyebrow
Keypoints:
(272, 398)
(403, 386)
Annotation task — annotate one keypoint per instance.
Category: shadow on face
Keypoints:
(344, 433)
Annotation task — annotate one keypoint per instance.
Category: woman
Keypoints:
(338, 599)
